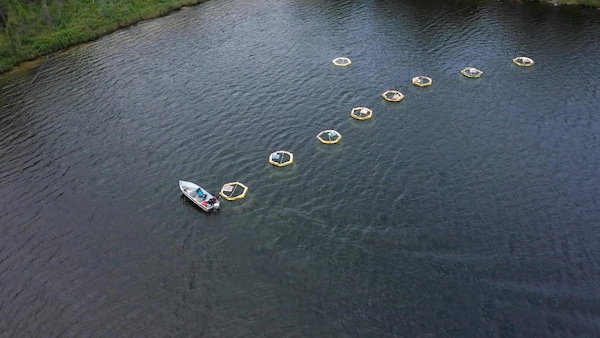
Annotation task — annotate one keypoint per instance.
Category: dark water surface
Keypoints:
(472, 208)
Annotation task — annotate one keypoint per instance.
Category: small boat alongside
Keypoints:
(202, 198)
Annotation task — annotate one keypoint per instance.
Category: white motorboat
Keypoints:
(202, 198)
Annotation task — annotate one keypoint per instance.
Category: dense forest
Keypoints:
(33, 28)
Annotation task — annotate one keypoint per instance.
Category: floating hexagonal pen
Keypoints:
(361, 113)
(422, 81)
(233, 191)
(393, 96)
(523, 61)
(471, 72)
(329, 136)
(342, 62)
(281, 158)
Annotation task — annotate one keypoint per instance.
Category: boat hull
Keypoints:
(190, 190)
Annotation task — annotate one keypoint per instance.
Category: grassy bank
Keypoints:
(33, 28)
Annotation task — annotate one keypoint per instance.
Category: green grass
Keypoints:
(30, 34)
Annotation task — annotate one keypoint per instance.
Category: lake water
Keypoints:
(471, 208)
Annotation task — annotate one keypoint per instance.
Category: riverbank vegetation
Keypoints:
(33, 28)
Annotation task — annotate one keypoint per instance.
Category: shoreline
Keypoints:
(37, 48)
(42, 44)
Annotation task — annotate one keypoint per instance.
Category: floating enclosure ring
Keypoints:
(329, 136)
(233, 191)
(342, 62)
(361, 113)
(471, 72)
(422, 81)
(523, 61)
(393, 96)
(281, 158)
